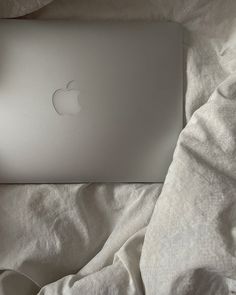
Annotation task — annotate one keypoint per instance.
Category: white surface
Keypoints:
(87, 239)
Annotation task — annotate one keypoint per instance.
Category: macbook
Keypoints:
(89, 101)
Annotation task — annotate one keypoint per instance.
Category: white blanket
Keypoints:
(175, 239)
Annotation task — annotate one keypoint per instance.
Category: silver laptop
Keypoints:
(89, 101)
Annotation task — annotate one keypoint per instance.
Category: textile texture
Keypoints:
(176, 238)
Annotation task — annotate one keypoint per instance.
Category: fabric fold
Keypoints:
(192, 230)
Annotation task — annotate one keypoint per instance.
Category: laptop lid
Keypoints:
(89, 101)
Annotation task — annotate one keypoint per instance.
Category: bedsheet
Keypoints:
(178, 238)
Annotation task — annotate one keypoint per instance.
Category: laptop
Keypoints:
(89, 101)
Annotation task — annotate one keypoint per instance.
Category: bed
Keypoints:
(176, 238)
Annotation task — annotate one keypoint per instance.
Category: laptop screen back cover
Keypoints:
(89, 101)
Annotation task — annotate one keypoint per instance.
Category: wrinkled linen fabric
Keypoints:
(190, 242)
(175, 239)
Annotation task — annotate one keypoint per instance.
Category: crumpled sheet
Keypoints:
(175, 239)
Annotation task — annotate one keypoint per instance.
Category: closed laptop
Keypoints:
(89, 101)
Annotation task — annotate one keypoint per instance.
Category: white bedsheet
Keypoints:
(175, 239)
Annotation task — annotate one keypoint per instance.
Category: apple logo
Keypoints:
(66, 101)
